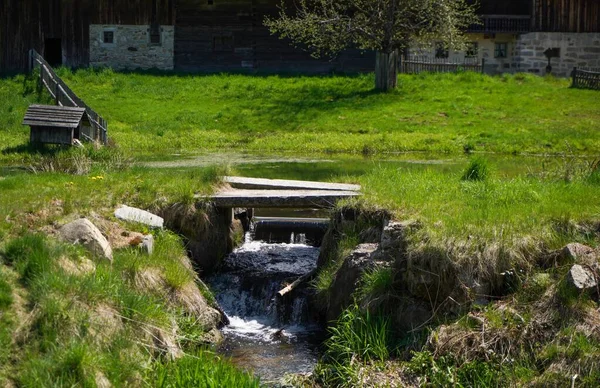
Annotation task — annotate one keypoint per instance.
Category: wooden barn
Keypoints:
(219, 35)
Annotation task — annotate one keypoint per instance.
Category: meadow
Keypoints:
(460, 181)
(159, 114)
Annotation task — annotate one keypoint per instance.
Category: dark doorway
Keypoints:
(53, 52)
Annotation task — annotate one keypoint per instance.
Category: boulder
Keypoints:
(133, 214)
(581, 278)
(576, 253)
(394, 240)
(347, 278)
(83, 232)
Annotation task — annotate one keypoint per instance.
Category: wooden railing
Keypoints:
(491, 24)
(64, 96)
(586, 79)
(419, 64)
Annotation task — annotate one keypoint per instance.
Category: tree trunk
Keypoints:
(386, 70)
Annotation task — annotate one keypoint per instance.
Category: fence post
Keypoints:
(30, 64)
(41, 79)
(482, 65)
(574, 75)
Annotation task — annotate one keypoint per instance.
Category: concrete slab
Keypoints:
(281, 184)
(279, 198)
(133, 214)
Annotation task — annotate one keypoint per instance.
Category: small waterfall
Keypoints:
(269, 336)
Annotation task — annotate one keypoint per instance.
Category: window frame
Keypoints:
(498, 50)
(472, 50)
(103, 35)
(155, 31)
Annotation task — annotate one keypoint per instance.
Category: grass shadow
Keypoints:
(34, 148)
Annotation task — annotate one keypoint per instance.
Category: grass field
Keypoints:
(163, 114)
(460, 200)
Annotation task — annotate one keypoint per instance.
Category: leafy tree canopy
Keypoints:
(329, 26)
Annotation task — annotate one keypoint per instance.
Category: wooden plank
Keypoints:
(281, 184)
(56, 108)
(278, 198)
(50, 124)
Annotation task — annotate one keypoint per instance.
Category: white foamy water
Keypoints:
(264, 335)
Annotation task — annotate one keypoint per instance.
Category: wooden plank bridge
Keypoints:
(276, 193)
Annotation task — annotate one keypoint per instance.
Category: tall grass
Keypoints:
(202, 370)
(97, 326)
(357, 337)
(478, 170)
(498, 209)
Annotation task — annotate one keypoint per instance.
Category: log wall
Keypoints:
(230, 35)
(566, 16)
(26, 24)
(224, 35)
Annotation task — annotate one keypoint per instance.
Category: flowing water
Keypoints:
(268, 336)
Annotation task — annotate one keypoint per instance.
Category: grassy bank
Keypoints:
(481, 265)
(471, 215)
(162, 114)
(70, 320)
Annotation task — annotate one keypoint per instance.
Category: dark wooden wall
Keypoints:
(567, 15)
(226, 34)
(503, 7)
(201, 28)
(26, 24)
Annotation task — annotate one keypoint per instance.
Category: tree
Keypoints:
(327, 27)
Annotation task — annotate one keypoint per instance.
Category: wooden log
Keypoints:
(290, 287)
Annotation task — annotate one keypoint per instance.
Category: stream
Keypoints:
(267, 336)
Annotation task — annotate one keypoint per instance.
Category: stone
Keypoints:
(581, 278)
(147, 244)
(133, 214)
(83, 232)
(395, 231)
(347, 278)
(575, 252)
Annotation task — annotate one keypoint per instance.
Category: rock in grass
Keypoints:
(147, 245)
(348, 276)
(575, 252)
(132, 214)
(83, 232)
(581, 278)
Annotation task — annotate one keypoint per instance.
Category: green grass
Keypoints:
(163, 114)
(356, 338)
(99, 325)
(201, 371)
(497, 209)
(33, 200)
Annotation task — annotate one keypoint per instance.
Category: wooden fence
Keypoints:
(64, 96)
(586, 79)
(419, 64)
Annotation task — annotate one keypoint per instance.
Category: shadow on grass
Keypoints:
(34, 148)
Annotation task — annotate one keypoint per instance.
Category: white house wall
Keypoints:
(131, 47)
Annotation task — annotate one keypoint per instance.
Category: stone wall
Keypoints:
(131, 47)
(576, 50)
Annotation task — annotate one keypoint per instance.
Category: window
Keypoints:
(472, 50)
(441, 51)
(501, 50)
(108, 37)
(223, 43)
(155, 38)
